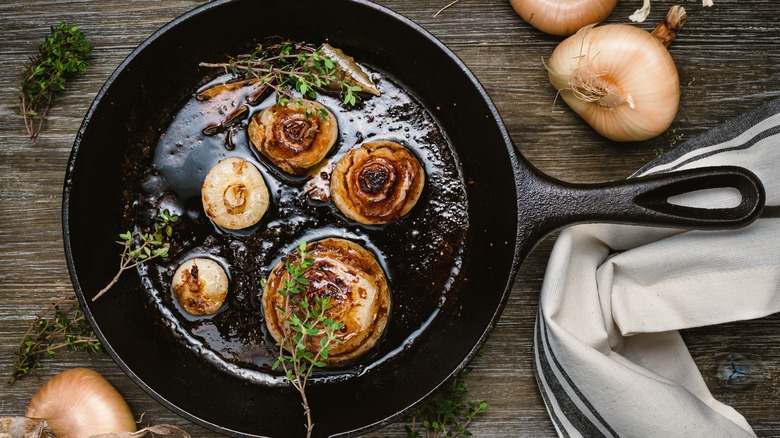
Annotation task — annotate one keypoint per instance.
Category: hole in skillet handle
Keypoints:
(654, 193)
(552, 204)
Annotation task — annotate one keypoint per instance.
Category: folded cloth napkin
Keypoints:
(609, 359)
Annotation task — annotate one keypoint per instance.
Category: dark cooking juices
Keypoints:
(421, 253)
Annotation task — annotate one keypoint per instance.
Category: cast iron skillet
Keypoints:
(511, 207)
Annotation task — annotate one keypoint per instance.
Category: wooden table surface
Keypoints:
(728, 57)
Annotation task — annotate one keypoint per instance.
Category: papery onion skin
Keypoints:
(356, 284)
(563, 17)
(23, 427)
(234, 194)
(200, 285)
(377, 183)
(294, 137)
(78, 403)
(642, 76)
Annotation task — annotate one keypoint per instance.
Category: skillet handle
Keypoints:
(645, 200)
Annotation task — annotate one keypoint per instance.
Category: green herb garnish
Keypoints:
(303, 320)
(60, 57)
(143, 247)
(62, 325)
(448, 414)
(290, 67)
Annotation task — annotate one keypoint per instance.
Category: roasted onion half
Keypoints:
(234, 194)
(351, 277)
(296, 136)
(200, 285)
(377, 183)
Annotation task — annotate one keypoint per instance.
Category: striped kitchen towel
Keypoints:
(609, 358)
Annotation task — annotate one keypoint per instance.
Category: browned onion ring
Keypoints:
(356, 284)
(200, 285)
(377, 183)
(294, 137)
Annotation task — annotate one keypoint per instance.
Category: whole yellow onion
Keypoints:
(78, 403)
(562, 17)
(619, 78)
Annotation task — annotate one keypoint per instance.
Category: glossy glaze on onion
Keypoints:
(354, 281)
(294, 137)
(420, 254)
(234, 194)
(377, 183)
(200, 286)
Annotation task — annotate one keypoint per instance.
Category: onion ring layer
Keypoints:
(294, 137)
(352, 279)
(377, 183)
(200, 285)
(234, 194)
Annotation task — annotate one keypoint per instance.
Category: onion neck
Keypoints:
(668, 28)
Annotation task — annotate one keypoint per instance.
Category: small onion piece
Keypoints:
(619, 78)
(357, 287)
(234, 194)
(200, 285)
(294, 137)
(563, 17)
(78, 403)
(376, 183)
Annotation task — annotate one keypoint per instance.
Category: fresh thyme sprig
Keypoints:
(143, 247)
(61, 56)
(447, 415)
(302, 321)
(291, 66)
(62, 325)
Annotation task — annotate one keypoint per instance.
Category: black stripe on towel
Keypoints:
(771, 211)
(540, 380)
(568, 407)
(747, 145)
(722, 133)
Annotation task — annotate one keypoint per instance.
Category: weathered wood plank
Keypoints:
(729, 61)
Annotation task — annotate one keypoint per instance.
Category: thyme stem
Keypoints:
(61, 56)
(445, 8)
(291, 67)
(302, 321)
(60, 325)
(152, 245)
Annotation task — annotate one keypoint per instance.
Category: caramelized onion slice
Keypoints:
(200, 285)
(351, 277)
(234, 194)
(296, 136)
(377, 183)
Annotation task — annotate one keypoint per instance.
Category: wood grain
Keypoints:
(729, 61)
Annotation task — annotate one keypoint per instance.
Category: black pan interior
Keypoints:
(125, 122)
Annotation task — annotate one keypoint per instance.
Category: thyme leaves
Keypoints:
(291, 67)
(304, 319)
(61, 56)
(142, 247)
(61, 326)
